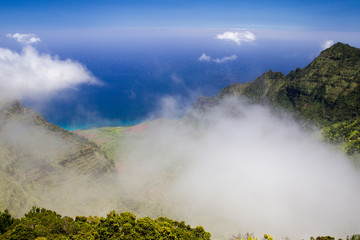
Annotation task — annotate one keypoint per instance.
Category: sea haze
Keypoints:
(141, 67)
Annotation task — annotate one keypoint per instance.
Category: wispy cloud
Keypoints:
(205, 57)
(176, 79)
(27, 38)
(326, 44)
(32, 75)
(238, 37)
(225, 59)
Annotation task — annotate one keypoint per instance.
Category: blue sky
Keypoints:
(36, 15)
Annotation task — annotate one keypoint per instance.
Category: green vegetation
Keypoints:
(323, 238)
(6, 220)
(38, 157)
(108, 138)
(326, 92)
(353, 237)
(347, 133)
(45, 224)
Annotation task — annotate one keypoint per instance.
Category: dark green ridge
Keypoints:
(326, 92)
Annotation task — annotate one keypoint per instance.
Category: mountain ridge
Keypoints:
(331, 82)
(325, 92)
(37, 157)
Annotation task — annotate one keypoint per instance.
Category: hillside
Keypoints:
(39, 158)
(326, 92)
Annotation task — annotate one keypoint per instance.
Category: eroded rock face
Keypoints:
(37, 157)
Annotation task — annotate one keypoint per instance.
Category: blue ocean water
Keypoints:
(139, 70)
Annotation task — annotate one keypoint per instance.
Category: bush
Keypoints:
(6, 220)
(45, 224)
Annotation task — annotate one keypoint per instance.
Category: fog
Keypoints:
(31, 172)
(235, 169)
(242, 168)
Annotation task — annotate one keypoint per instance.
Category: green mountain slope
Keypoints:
(327, 91)
(39, 159)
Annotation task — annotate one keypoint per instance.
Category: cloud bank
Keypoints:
(239, 168)
(206, 58)
(243, 169)
(326, 44)
(30, 74)
(238, 37)
(27, 38)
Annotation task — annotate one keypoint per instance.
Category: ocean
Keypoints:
(139, 70)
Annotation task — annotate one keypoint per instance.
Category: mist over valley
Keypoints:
(193, 120)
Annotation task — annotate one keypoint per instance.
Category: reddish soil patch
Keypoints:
(138, 128)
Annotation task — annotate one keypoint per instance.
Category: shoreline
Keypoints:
(118, 123)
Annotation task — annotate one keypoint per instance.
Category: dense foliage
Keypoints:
(347, 132)
(42, 224)
(6, 220)
(45, 224)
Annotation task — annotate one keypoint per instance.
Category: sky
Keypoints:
(123, 57)
(321, 15)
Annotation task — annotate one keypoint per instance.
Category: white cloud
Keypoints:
(327, 44)
(27, 38)
(238, 37)
(32, 75)
(205, 57)
(225, 59)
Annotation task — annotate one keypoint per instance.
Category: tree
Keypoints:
(6, 220)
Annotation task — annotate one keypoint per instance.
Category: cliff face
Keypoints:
(327, 90)
(329, 87)
(36, 157)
